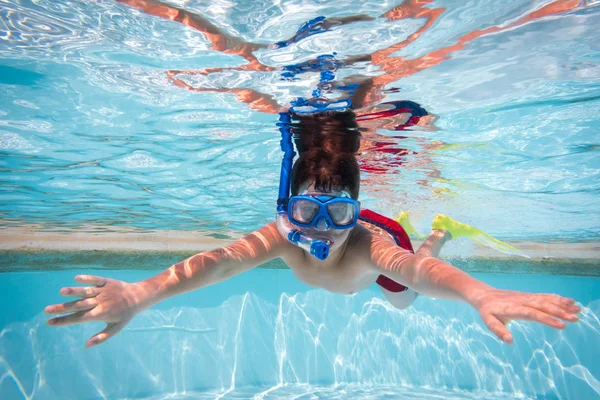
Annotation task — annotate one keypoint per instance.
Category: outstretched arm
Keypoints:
(215, 266)
(399, 67)
(256, 100)
(435, 278)
(220, 40)
(116, 302)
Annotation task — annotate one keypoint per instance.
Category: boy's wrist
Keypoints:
(475, 291)
(148, 293)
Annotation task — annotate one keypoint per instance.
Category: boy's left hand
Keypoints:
(498, 307)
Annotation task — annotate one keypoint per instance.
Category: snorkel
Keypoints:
(318, 248)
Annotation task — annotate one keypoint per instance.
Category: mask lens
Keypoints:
(303, 211)
(341, 213)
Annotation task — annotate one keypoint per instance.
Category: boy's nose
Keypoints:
(322, 224)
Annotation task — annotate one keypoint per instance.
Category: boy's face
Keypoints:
(320, 231)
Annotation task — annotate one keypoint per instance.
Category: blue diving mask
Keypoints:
(314, 105)
(323, 212)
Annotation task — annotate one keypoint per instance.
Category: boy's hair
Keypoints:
(326, 143)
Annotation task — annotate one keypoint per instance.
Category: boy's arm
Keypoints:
(116, 302)
(220, 40)
(433, 277)
(427, 275)
(210, 267)
(257, 101)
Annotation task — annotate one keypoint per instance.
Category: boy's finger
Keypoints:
(556, 311)
(572, 308)
(560, 301)
(84, 292)
(91, 280)
(111, 330)
(540, 300)
(72, 306)
(75, 318)
(498, 328)
(534, 315)
(567, 301)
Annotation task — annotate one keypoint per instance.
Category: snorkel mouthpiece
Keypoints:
(319, 249)
(316, 247)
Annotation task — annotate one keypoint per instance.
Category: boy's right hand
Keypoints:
(115, 302)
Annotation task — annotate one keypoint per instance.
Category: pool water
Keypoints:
(263, 334)
(95, 137)
(124, 127)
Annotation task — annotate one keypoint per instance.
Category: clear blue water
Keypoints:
(92, 132)
(94, 137)
(263, 334)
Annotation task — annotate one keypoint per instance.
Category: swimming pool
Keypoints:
(264, 334)
(119, 157)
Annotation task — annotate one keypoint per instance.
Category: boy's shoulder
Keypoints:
(367, 237)
(366, 231)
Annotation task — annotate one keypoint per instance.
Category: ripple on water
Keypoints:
(85, 84)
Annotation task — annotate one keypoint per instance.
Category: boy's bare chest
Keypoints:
(344, 278)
